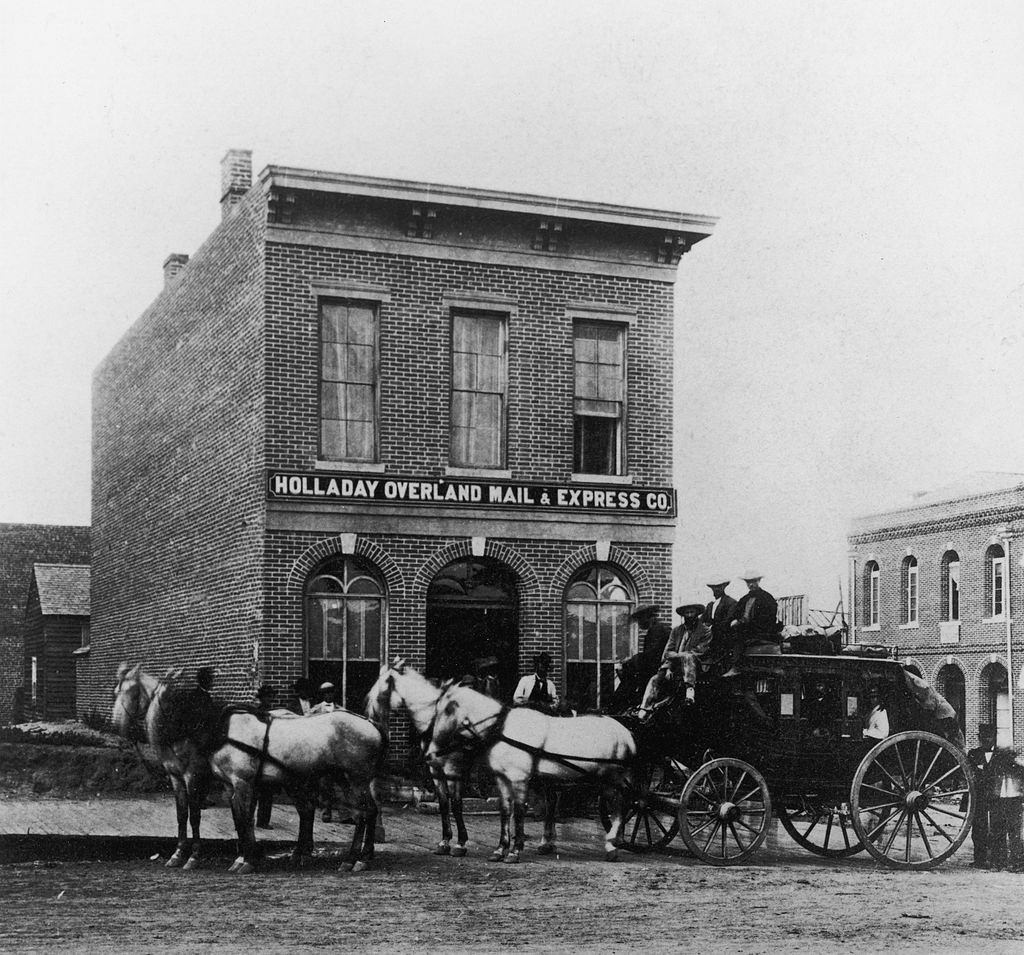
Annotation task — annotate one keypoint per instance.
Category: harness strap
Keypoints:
(562, 759)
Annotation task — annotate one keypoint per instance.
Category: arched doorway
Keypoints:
(472, 613)
(950, 683)
(994, 700)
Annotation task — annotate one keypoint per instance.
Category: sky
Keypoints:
(852, 332)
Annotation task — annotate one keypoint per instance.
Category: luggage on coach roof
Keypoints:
(864, 650)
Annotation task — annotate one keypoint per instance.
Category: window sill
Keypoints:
(913, 625)
(873, 628)
(357, 467)
(81, 652)
(601, 478)
(494, 473)
(999, 619)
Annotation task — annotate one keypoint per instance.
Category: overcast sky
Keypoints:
(851, 333)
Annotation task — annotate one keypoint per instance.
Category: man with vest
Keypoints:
(717, 615)
(535, 689)
(688, 644)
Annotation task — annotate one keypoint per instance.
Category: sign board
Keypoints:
(326, 487)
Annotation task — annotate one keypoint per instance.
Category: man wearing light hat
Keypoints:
(326, 704)
(754, 626)
(688, 644)
(717, 615)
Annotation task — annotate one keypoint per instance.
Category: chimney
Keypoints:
(173, 265)
(235, 178)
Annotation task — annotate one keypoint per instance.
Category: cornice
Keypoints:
(915, 528)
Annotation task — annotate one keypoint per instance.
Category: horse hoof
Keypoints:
(546, 849)
(246, 868)
(193, 863)
(512, 858)
(175, 861)
(459, 851)
(359, 866)
(346, 867)
(236, 865)
(497, 855)
(442, 850)
(611, 855)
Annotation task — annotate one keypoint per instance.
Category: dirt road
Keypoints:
(411, 900)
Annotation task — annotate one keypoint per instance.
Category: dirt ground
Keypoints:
(411, 900)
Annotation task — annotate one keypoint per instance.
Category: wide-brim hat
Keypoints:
(644, 611)
(486, 662)
(752, 575)
(723, 583)
(327, 685)
(692, 608)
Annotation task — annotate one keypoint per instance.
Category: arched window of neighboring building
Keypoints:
(909, 589)
(950, 683)
(598, 632)
(345, 607)
(950, 586)
(995, 581)
(994, 700)
(872, 593)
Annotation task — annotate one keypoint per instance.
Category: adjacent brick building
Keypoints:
(941, 580)
(377, 417)
(21, 546)
(56, 632)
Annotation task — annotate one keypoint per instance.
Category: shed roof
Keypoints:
(63, 589)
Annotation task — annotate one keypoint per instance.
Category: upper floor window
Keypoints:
(950, 593)
(599, 402)
(872, 593)
(910, 589)
(86, 634)
(348, 381)
(479, 390)
(995, 581)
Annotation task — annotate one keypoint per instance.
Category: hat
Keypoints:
(752, 575)
(265, 690)
(485, 662)
(986, 729)
(542, 657)
(327, 685)
(644, 611)
(724, 583)
(691, 607)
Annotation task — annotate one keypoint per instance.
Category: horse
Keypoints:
(402, 685)
(147, 709)
(520, 744)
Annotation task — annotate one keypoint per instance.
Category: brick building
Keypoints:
(56, 633)
(21, 546)
(377, 417)
(941, 580)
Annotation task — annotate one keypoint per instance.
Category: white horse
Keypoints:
(521, 744)
(405, 686)
(140, 715)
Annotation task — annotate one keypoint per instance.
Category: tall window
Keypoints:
(344, 628)
(600, 397)
(348, 381)
(872, 592)
(598, 633)
(479, 390)
(995, 581)
(950, 585)
(910, 589)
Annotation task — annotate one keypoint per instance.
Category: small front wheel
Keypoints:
(725, 812)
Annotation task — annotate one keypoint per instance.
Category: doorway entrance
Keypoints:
(472, 614)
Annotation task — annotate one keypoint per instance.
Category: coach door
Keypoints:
(471, 615)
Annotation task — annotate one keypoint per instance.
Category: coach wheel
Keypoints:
(725, 812)
(650, 807)
(820, 825)
(913, 799)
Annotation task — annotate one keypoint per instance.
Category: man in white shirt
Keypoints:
(535, 689)
(876, 725)
(326, 704)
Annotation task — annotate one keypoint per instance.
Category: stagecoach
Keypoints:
(786, 737)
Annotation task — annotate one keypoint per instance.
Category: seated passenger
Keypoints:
(754, 626)
(876, 723)
(687, 646)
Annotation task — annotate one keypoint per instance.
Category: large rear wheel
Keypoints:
(820, 825)
(913, 799)
(725, 812)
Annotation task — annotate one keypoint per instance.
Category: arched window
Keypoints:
(909, 589)
(345, 628)
(598, 633)
(950, 683)
(994, 701)
(995, 581)
(950, 586)
(872, 593)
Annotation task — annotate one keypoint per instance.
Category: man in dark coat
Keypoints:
(202, 710)
(635, 671)
(687, 646)
(981, 762)
(754, 625)
(717, 615)
(264, 794)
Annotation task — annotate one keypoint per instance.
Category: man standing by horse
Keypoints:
(535, 689)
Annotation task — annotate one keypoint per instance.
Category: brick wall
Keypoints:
(982, 640)
(177, 473)
(51, 639)
(22, 545)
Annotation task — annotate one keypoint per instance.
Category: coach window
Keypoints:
(344, 628)
(479, 398)
(950, 579)
(872, 591)
(995, 581)
(598, 633)
(599, 403)
(909, 590)
(348, 381)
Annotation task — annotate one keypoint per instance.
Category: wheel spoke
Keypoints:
(753, 792)
(917, 756)
(748, 828)
(647, 828)
(885, 821)
(945, 775)
(828, 830)
(701, 828)
(657, 822)
(938, 752)
(724, 853)
(705, 797)
(877, 789)
(811, 826)
(903, 768)
(736, 788)
(846, 835)
(874, 807)
(942, 832)
(924, 836)
(895, 832)
(736, 836)
(714, 832)
(949, 812)
(636, 828)
(899, 786)
(906, 848)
